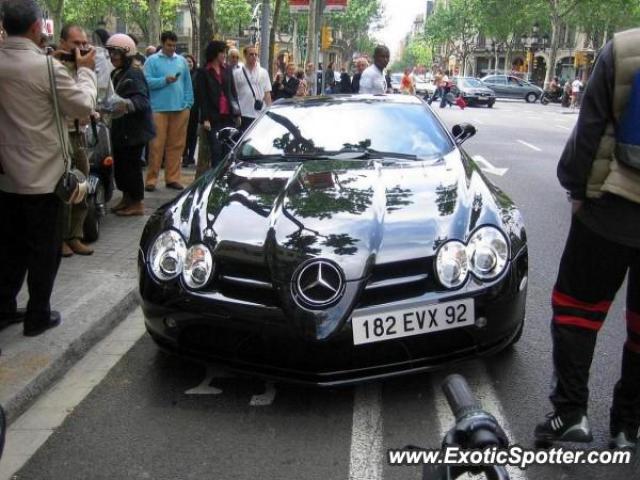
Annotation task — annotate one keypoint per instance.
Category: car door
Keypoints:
(498, 84)
(515, 88)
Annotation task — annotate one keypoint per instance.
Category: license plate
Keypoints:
(406, 322)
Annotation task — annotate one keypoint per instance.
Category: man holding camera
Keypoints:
(73, 38)
(31, 162)
(253, 86)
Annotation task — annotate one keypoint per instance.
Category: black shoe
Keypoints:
(34, 328)
(568, 427)
(8, 318)
(175, 186)
(624, 437)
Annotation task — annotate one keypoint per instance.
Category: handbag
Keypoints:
(257, 104)
(72, 185)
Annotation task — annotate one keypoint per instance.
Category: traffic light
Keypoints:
(326, 38)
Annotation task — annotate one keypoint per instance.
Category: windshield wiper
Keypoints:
(368, 153)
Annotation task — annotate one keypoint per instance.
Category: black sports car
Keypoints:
(342, 239)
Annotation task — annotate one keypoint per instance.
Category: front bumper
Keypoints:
(258, 340)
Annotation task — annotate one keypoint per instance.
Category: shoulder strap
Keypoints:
(58, 118)
(249, 82)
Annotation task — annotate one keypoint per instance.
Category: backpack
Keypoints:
(628, 131)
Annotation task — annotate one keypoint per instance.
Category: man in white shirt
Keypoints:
(253, 86)
(373, 80)
(576, 88)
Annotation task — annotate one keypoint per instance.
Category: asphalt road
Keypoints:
(144, 422)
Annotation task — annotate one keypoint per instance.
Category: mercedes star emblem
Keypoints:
(318, 283)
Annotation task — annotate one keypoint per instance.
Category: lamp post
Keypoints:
(532, 44)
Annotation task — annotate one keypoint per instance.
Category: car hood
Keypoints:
(356, 213)
(477, 90)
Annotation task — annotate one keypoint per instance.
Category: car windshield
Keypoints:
(350, 129)
(471, 82)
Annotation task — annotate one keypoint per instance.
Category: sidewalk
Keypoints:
(93, 294)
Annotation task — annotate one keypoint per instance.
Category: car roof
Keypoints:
(351, 98)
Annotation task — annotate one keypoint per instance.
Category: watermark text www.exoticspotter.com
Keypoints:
(516, 456)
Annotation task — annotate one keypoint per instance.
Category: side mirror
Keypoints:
(229, 136)
(462, 132)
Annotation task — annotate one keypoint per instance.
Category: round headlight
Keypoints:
(488, 253)
(452, 264)
(166, 256)
(198, 266)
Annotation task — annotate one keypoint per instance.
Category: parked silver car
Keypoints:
(473, 91)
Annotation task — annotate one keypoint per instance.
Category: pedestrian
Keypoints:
(310, 79)
(345, 81)
(150, 50)
(603, 247)
(31, 162)
(373, 80)
(437, 82)
(329, 79)
(407, 83)
(72, 38)
(131, 126)
(188, 156)
(446, 97)
(566, 94)
(361, 66)
(218, 103)
(253, 87)
(576, 89)
(171, 90)
(303, 89)
(285, 86)
(233, 59)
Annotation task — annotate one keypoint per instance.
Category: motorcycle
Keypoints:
(549, 96)
(100, 181)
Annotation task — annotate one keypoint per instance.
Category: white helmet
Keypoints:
(122, 42)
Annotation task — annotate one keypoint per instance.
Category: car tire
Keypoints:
(531, 97)
(490, 104)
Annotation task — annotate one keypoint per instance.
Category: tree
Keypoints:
(231, 16)
(207, 9)
(505, 21)
(359, 19)
(272, 37)
(456, 25)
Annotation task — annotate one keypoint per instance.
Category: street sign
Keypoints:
(299, 6)
(335, 5)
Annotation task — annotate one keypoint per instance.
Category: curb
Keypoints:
(74, 352)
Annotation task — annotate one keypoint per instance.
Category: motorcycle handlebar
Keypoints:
(459, 396)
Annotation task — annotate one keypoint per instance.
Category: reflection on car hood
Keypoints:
(356, 212)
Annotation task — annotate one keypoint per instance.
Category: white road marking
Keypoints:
(32, 429)
(532, 147)
(478, 121)
(366, 433)
(563, 127)
(481, 384)
(487, 167)
(264, 399)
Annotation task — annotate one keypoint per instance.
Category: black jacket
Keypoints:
(289, 91)
(355, 83)
(134, 128)
(207, 94)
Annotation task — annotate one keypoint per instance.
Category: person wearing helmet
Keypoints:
(132, 124)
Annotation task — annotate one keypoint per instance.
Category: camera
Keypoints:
(71, 56)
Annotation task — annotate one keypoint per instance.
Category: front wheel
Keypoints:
(531, 97)
(490, 104)
(544, 100)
